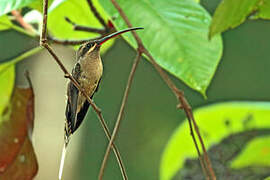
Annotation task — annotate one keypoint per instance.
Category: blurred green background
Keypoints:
(150, 116)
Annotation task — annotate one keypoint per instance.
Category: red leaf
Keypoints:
(25, 165)
(15, 135)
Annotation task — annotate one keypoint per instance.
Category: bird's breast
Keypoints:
(91, 73)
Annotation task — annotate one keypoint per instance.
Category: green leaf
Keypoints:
(4, 23)
(176, 34)
(268, 178)
(81, 15)
(19, 58)
(263, 10)
(7, 78)
(231, 13)
(14, 44)
(256, 153)
(216, 122)
(223, 153)
(8, 5)
(38, 4)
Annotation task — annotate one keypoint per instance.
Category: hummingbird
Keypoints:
(87, 72)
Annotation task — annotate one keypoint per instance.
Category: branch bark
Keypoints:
(43, 42)
(120, 114)
(97, 15)
(78, 27)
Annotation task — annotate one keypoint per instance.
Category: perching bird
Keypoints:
(87, 72)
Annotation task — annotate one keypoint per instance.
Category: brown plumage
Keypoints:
(87, 72)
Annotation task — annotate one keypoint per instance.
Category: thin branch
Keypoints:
(205, 172)
(125, 18)
(69, 41)
(97, 15)
(120, 114)
(78, 27)
(189, 114)
(43, 42)
(188, 111)
(207, 169)
(96, 109)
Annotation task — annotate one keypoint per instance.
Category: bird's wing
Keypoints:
(73, 94)
(82, 112)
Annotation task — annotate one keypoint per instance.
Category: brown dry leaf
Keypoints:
(25, 165)
(17, 157)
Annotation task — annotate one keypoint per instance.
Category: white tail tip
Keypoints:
(62, 162)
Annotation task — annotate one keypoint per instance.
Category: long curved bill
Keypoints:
(106, 38)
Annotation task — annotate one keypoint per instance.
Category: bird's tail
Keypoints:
(62, 162)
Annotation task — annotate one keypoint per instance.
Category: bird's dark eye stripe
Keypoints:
(89, 45)
(86, 48)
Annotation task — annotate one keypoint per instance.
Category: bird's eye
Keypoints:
(89, 45)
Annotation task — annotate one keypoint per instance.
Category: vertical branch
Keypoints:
(43, 42)
(120, 114)
(44, 23)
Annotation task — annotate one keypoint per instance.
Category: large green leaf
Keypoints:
(80, 13)
(229, 14)
(176, 34)
(6, 86)
(232, 13)
(8, 5)
(216, 122)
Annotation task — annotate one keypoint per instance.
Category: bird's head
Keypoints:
(93, 47)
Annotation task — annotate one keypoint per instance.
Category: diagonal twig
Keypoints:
(78, 27)
(97, 15)
(205, 161)
(43, 42)
(120, 114)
